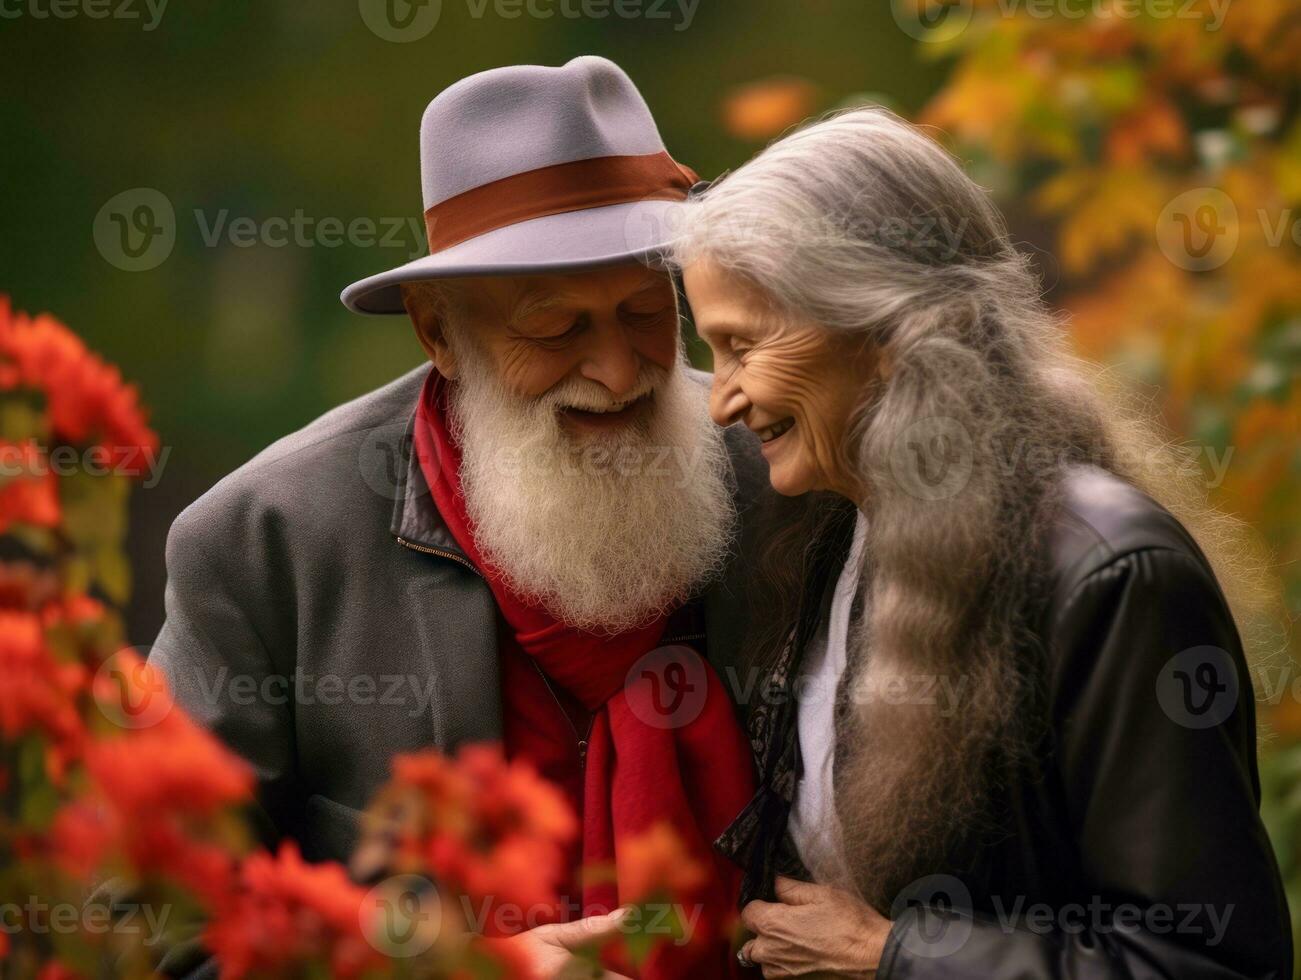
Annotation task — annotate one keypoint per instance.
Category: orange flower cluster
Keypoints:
(29, 490)
(161, 793)
(47, 656)
(479, 824)
(86, 400)
(284, 913)
(149, 796)
(657, 865)
(38, 693)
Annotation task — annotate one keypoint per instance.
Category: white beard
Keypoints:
(605, 531)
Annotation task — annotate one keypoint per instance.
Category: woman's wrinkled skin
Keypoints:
(814, 930)
(773, 370)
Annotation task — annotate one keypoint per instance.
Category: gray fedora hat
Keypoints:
(529, 170)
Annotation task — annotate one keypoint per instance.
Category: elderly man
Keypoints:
(539, 570)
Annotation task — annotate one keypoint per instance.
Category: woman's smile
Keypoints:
(772, 433)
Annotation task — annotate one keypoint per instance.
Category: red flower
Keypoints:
(24, 586)
(479, 824)
(87, 401)
(55, 970)
(173, 766)
(38, 693)
(286, 912)
(29, 489)
(159, 793)
(657, 863)
(81, 836)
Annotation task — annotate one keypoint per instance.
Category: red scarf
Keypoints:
(659, 752)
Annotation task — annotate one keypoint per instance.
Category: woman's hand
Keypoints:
(814, 930)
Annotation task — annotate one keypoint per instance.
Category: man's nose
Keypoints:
(727, 402)
(612, 360)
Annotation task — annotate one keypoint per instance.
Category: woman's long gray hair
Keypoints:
(862, 223)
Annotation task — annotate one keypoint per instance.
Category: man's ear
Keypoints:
(428, 319)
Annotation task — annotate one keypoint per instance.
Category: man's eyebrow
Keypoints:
(535, 301)
(647, 284)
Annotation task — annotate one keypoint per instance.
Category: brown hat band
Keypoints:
(561, 187)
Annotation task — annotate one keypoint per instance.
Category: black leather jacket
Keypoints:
(1138, 851)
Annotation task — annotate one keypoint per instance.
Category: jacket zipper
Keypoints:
(441, 553)
(581, 739)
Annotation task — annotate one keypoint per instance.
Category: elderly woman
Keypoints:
(1007, 728)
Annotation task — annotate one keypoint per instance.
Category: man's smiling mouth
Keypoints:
(606, 415)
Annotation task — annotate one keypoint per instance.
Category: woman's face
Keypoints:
(794, 383)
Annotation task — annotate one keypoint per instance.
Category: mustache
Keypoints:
(592, 396)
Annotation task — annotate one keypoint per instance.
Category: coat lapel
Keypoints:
(455, 615)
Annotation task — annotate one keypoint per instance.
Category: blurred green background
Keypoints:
(1097, 131)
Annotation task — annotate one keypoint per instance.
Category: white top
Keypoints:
(813, 823)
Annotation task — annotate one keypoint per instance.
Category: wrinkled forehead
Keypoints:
(724, 303)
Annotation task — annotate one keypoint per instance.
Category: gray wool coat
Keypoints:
(321, 618)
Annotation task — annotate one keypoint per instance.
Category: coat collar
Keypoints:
(416, 522)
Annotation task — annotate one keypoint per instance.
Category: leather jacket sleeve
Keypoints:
(1155, 761)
